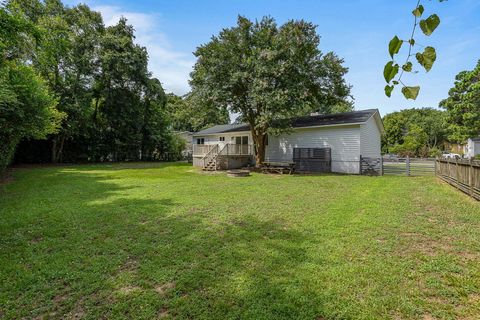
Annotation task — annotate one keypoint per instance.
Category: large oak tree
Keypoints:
(269, 74)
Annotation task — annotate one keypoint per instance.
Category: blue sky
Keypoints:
(357, 30)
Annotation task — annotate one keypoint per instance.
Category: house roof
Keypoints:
(224, 128)
(344, 118)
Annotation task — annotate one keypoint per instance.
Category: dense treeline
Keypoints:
(415, 132)
(83, 86)
(427, 132)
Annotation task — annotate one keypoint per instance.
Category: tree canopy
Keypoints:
(269, 74)
(463, 106)
(189, 113)
(27, 107)
(414, 132)
(100, 102)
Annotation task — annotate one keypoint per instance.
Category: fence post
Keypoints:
(448, 166)
(407, 166)
(456, 170)
(470, 177)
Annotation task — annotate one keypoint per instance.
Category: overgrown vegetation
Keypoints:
(94, 100)
(146, 241)
(27, 107)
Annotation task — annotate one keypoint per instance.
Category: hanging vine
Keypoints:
(393, 72)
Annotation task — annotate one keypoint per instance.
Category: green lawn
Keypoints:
(165, 241)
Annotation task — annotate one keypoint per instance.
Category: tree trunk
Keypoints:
(260, 143)
(54, 150)
(60, 150)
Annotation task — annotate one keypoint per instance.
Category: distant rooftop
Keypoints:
(301, 122)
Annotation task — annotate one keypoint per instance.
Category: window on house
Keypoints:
(241, 140)
(221, 139)
(200, 140)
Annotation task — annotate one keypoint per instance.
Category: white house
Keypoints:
(472, 148)
(338, 140)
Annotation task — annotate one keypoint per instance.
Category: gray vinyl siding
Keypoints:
(370, 139)
(344, 142)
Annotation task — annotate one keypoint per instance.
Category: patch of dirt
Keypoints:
(437, 300)
(129, 289)
(165, 287)
(428, 317)
(130, 265)
(36, 240)
(468, 256)
(474, 298)
(77, 312)
(425, 245)
(163, 313)
(60, 298)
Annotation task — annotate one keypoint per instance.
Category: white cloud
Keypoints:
(171, 67)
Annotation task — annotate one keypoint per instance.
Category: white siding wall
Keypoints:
(215, 138)
(370, 139)
(473, 148)
(344, 142)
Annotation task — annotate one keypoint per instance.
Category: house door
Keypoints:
(241, 140)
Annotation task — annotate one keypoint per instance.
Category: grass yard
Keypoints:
(128, 241)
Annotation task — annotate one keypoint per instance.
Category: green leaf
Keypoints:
(430, 24)
(427, 58)
(418, 11)
(388, 90)
(411, 92)
(407, 67)
(394, 46)
(390, 71)
(411, 42)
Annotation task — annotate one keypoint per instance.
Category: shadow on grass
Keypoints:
(92, 250)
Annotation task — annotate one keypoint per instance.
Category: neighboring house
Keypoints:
(472, 148)
(346, 137)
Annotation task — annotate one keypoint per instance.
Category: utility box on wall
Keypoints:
(312, 159)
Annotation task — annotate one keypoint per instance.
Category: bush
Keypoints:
(27, 109)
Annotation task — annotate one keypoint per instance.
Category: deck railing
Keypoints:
(228, 149)
(202, 149)
(231, 149)
(211, 155)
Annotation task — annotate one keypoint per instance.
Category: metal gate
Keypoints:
(312, 159)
